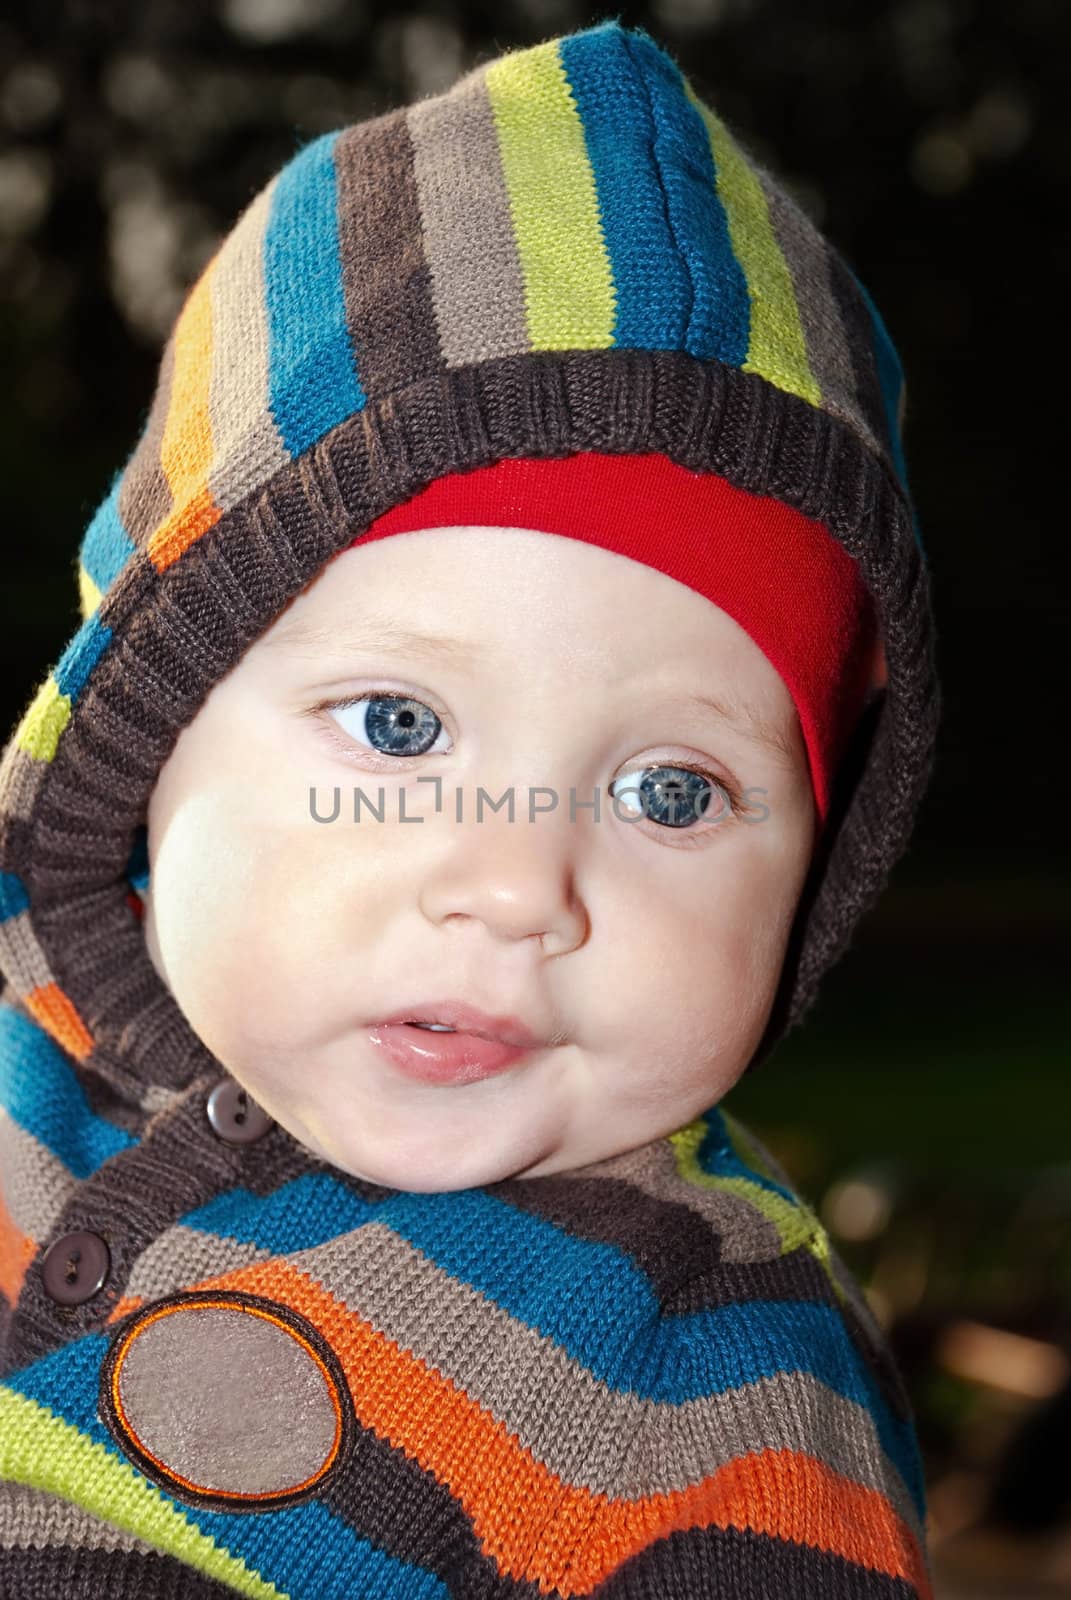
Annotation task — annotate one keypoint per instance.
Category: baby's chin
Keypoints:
(433, 1169)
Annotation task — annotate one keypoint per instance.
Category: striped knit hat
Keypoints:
(566, 252)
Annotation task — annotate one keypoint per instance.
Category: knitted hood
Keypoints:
(567, 251)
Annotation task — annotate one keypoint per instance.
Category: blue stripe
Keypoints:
(307, 1551)
(106, 547)
(312, 380)
(308, 1211)
(81, 656)
(719, 322)
(39, 1091)
(13, 896)
(653, 291)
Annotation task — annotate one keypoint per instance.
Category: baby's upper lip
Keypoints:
(469, 1019)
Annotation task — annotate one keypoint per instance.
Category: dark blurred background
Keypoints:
(925, 1105)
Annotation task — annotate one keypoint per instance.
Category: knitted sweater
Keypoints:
(226, 1366)
(652, 1376)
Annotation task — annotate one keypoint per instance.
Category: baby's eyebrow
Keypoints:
(747, 721)
(375, 633)
(371, 633)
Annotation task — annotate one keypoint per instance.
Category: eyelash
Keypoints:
(730, 790)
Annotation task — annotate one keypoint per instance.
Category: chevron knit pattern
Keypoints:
(650, 1377)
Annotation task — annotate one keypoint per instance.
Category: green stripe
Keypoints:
(568, 282)
(39, 731)
(40, 1449)
(777, 349)
(795, 1222)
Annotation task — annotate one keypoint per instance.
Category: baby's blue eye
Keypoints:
(673, 796)
(393, 724)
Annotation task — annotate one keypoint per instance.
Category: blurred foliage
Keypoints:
(929, 1090)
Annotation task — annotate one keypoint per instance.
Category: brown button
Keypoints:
(235, 1116)
(75, 1268)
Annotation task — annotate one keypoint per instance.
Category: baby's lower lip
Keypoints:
(442, 1057)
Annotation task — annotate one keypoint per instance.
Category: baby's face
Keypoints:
(646, 953)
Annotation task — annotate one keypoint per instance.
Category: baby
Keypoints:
(391, 891)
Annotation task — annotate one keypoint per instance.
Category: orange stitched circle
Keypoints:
(210, 1302)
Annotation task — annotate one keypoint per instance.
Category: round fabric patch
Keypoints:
(228, 1399)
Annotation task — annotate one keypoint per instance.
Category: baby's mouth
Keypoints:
(446, 1055)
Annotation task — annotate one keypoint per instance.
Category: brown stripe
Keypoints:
(382, 1494)
(103, 1101)
(793, 1276)
(666, 1240)
(648, 1181)
(116, 1574)
(475, 272)
(145, 497)
(728, 1563)
(385, 277)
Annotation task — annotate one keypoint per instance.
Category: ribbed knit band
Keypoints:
(779, 574)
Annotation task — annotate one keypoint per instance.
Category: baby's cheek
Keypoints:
(666, 966)
(720, 965)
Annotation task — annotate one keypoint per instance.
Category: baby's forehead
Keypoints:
(489, 595)
(492, 580)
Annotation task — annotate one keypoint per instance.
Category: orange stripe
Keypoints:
(17, 1250)
(127, 1304)
(186, 448)
(783, 1493)
(49, 1006)
(182, 528)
